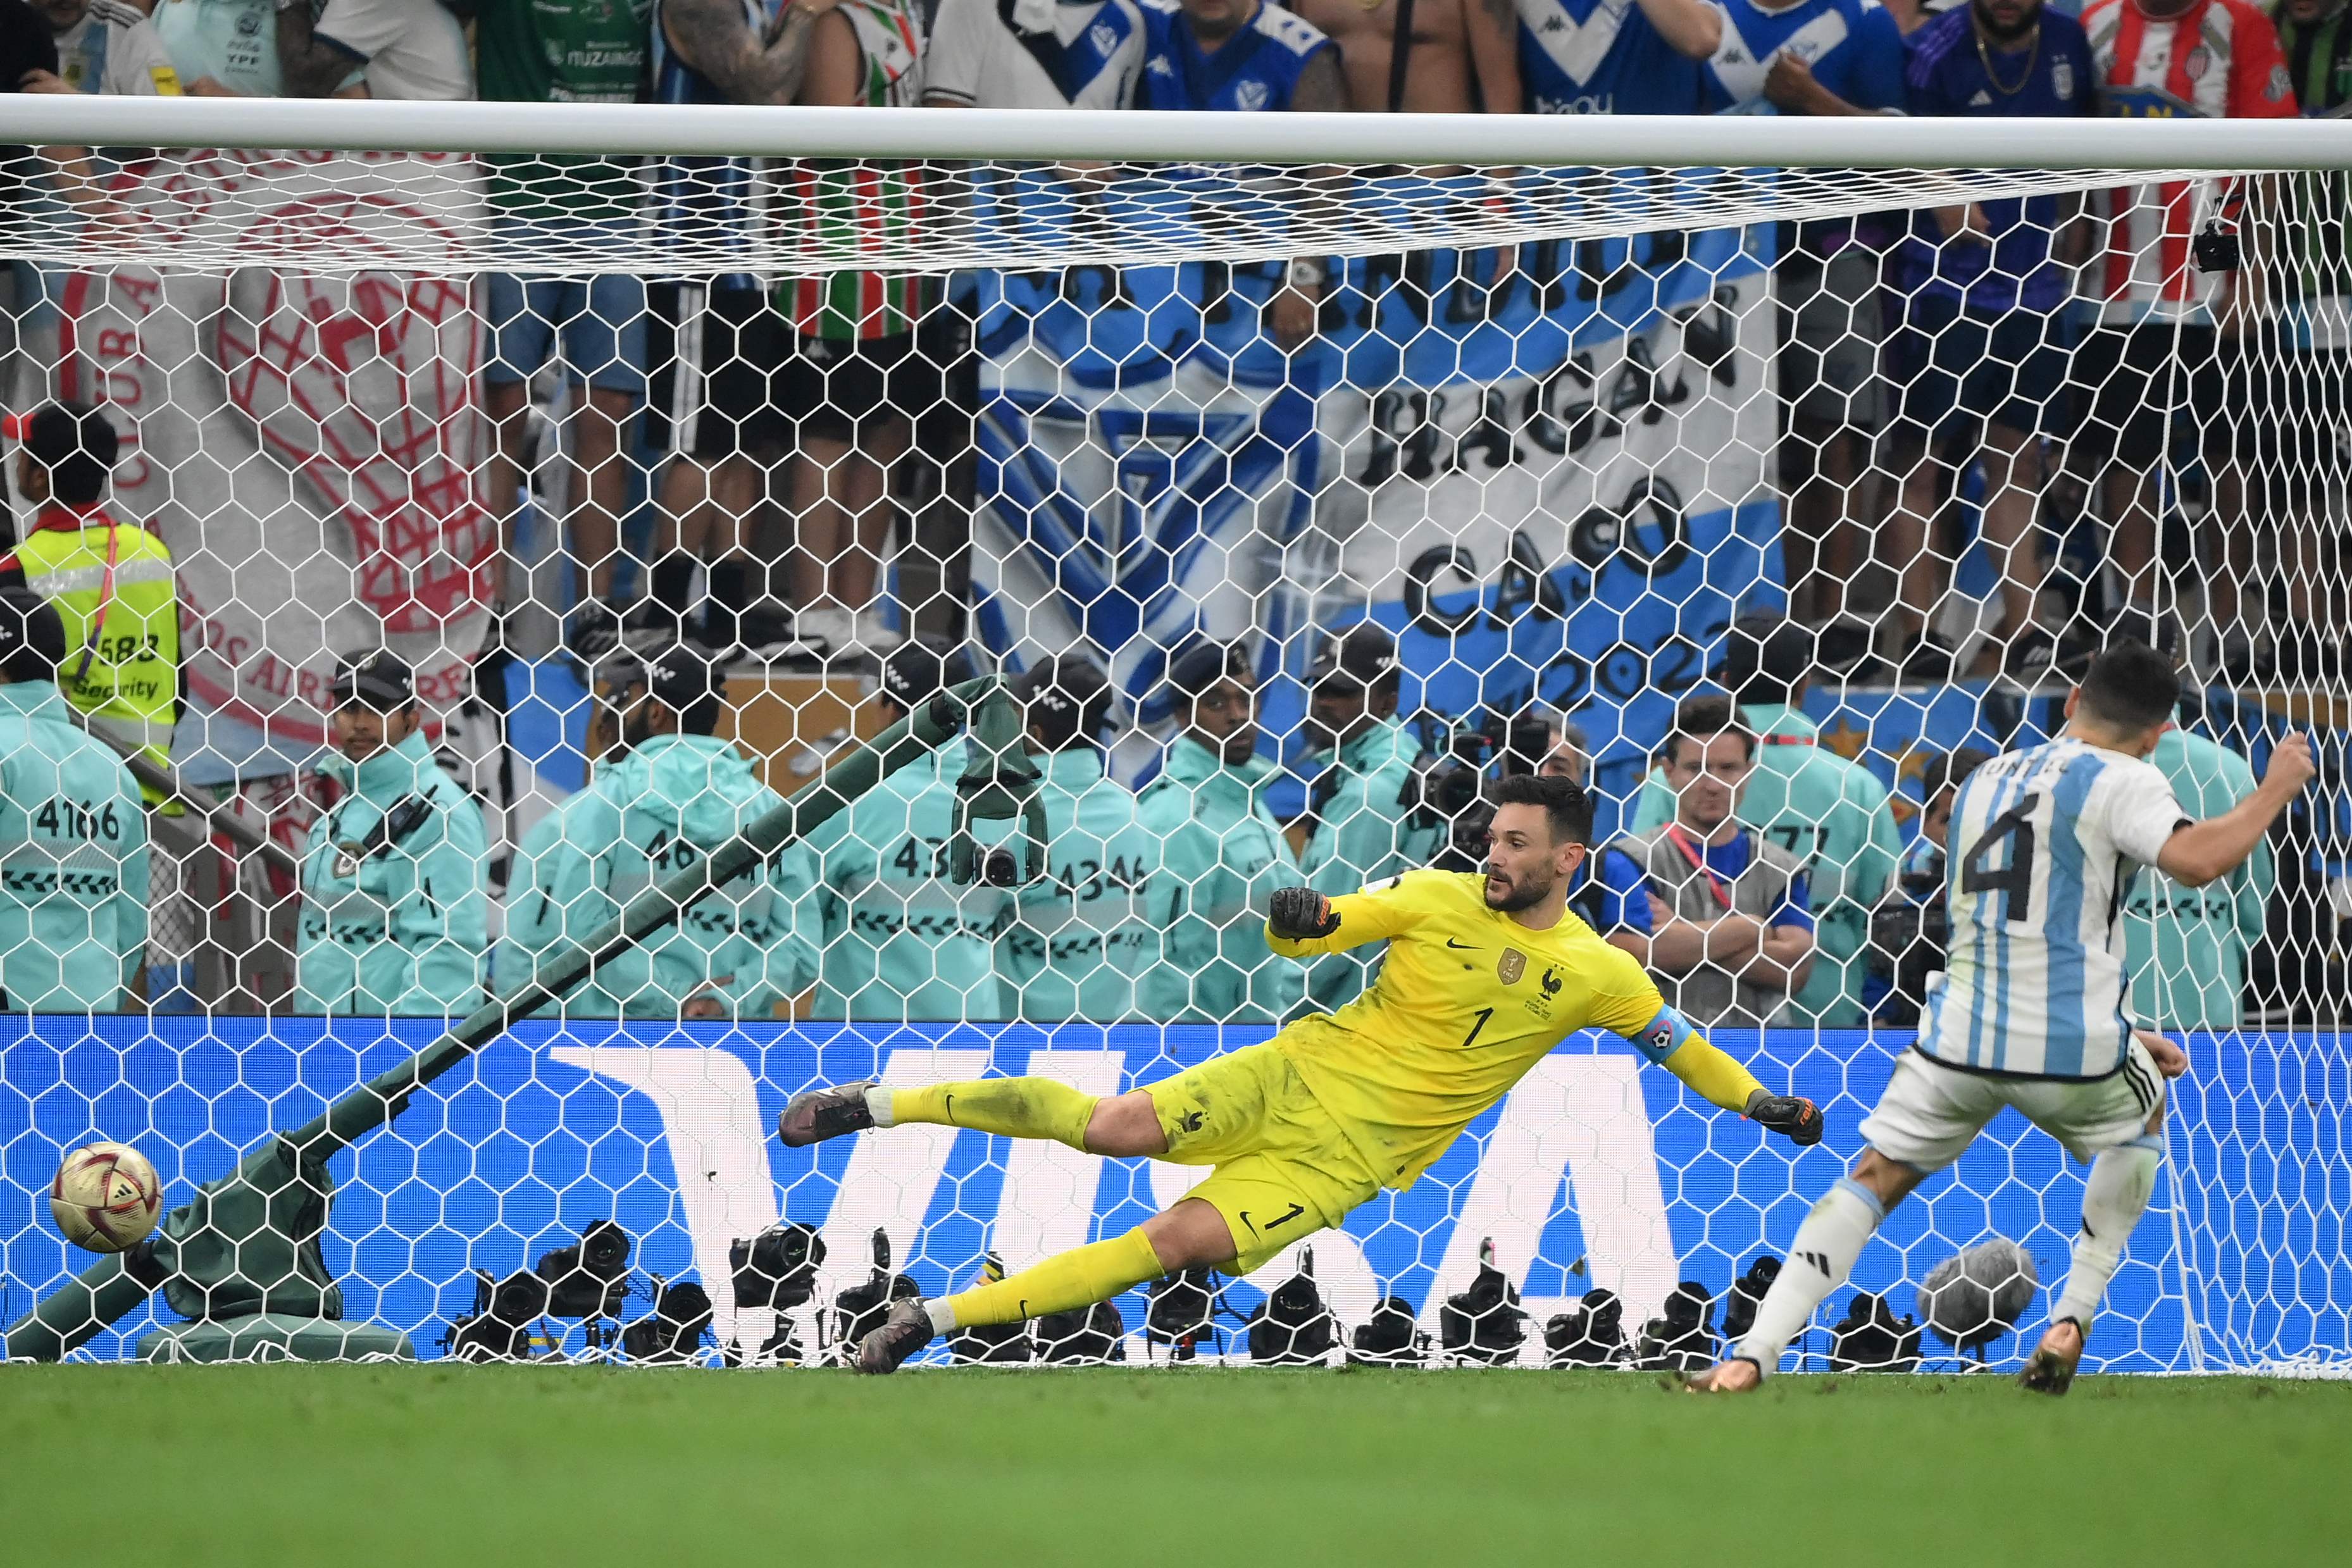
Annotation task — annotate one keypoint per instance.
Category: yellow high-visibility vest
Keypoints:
(112, 585)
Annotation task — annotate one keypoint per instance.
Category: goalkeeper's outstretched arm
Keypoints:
(1301, 923)
(1672, 1044)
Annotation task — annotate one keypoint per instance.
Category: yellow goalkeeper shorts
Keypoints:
(1284, 1168)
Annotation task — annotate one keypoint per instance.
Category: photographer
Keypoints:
(393, 919)
(1357, 828)
(1220, 854)
(903, 940)
(668, 794)
(73, 836)
(1079, 940)
(1909, 931)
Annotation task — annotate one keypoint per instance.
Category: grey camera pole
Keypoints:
(116, 1284)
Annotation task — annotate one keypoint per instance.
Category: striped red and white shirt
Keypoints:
(2219, 59)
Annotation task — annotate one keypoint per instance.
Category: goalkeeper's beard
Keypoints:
(1518, 895)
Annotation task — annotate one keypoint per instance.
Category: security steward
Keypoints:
(395, 918)
(73, 836)
(111, 580)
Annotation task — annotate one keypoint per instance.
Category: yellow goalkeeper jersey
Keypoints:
(1466, 1001)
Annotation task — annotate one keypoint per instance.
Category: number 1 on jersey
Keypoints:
(1481, 1016)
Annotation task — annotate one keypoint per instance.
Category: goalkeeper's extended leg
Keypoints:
(1819, 1261)
(1190, 1235)
(2112, 1200)
(1010, 1106)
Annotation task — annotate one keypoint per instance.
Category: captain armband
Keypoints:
(1662, 1035)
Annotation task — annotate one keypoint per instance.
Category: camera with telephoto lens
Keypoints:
(1591, 1333)
(1183, 1311)
(1486, 1323)
(498, 1327)
(1389, 1337)
(1292, 1326)
(1445, 788)
(775, 1270)
(1681, 1338)
(862, 1308)
(1910, 934)
(588, 1279)
(1871, 1338)
(1000, 867)
(672, 1332)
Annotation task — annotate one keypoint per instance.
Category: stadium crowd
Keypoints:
(2070, 356)
(2068, 352)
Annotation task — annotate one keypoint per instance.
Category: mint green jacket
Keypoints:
(2186, 947)
(1221, 858)
(662, 808)
(1833, 815)
(392, 928)
(73, 861)
(1082, 937)
(1361, 835)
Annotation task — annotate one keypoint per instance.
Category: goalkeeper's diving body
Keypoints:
(1484, 976)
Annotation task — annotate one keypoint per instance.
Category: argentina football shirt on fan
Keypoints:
(1258, 68)
(1613, 56)
(2046, 844)
(1033, 54)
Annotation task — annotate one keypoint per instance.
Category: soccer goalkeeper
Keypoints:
(1484, 975)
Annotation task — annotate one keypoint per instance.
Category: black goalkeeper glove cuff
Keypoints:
(1795, 1118)
(1301, 914)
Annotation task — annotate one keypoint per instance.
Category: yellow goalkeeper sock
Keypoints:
(1720, 1077)
(1010, 1106)
(1078, 1277)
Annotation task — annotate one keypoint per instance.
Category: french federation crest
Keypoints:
(1511, 966)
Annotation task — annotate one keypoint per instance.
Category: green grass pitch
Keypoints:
(426, 1466)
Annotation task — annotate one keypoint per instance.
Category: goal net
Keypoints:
(764, 426)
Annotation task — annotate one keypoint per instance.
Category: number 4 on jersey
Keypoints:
(2013, 881)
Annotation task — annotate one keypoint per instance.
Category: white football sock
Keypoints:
(877, 1105)
(2113, 1200)
(1819, 1261)
(942, 1315)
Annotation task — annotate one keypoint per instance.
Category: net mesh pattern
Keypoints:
(777, 450)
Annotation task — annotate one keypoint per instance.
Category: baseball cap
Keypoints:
(919, 668)
(1365, 655)
(1064, 699)
(1765, 654)
(32, 636)
(76, 443)
(1203, 664)
(380, 678)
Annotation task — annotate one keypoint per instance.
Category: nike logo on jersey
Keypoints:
(1464, 946)
(1274, 1224)
(1190, 1121)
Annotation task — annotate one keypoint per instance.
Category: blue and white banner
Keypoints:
(1595, 1170)
(1545, 467)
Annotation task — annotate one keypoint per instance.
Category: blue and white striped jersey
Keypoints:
(2045, 844)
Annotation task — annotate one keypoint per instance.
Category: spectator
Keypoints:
(1079, 940)
(73, 836)
(1831, 815)
(111, 581)
(1604, 56)
(1833, 59)
(670, 797)
(28, 63)
(1461, 55)
(202, 49)
(1278, 63)
(2302, 495)
(2187, 947)
(1569, 754)
(567, 51)
(395, 920)
(2157, 364)
(903, 942)
(1035, 54)
(92, 40)
(1980, 355)
(854, 379)
(1356, 828)
(714, 340)
(1738, 941)
(401, 48)
(1911, 929)
(1220, 854)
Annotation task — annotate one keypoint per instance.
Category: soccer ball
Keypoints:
(1975, 1297)
(106, 1197)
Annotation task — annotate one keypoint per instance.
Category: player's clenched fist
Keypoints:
(1795, 1118)
(2290, 764)
(1301, 913)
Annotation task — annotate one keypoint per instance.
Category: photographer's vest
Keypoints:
(111, 584)
(1708, 993)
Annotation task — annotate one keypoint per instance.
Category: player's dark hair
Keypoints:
(2130, 686)
(1700, 719)
(1565, 804)
(1948, 770)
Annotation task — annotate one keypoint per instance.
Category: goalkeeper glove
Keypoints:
(1301, 913)
(1793, 1116)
